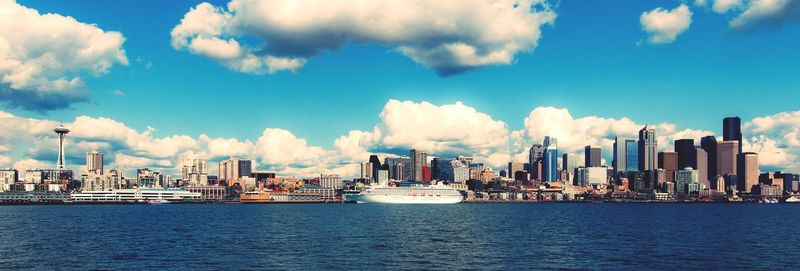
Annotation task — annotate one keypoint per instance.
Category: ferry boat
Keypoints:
(415, 194)
(141, 195)
(793, 200)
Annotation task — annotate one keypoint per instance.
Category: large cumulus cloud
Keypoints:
(448, 36)
(43, 56)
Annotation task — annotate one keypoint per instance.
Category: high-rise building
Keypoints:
(732, 130)
(669, 162)
(452, 170)
(234, 168)
(194, 169)
(569, 161)
(687, 157)
(620, 154)
(550, 163)
(94, 162)
(404, 167)
(418, 160)
(648, 149)
(726, 157)
(709, 144)
(631, 155)
(592, 156)
(62, 133)
(366, 171)
(747, 171)
(8, 177)
(683, 178)
(514, 167)
(535, 153)
(702, 166)
(376, 165)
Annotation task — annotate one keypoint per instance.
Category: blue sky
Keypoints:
(589, 62)
(593, 60)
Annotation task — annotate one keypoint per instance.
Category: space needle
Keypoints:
(62, 132)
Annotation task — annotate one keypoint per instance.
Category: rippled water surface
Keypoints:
(406, 237)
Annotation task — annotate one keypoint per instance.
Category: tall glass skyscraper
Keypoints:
(732, 130)
(648, 149)
(631, 155)
(550, 160)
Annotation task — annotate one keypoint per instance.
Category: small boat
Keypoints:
(793, 200)
(157, 201)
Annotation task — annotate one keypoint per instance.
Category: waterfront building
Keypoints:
(330, 180)
(732, 131)
(147, 178)
(419, 159)
(155, 195)
(62, 132)
(94, 162)
(210, 193)
(767, 190)
(8, 177)
(695, 188)
(669, 162)
(726, 157)
(592, 156)
(648, 149)
(194, 170)
(234, 168)
(709, 144)
(747, 171)
(683, 178)
(93, 181)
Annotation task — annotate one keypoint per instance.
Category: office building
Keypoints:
(569, 162)
(8, 177)
(683, 178)
(376, 165)
(732, 130)
(194, 171)
(418, 160)
(513, 168)
(687, 156)
(399, 168)
(366, 171)
(747, 171)
(701, 160)
(709, 144)
(234, 168)
(669, 162)
(535, 154)
(94, 162)
(592, 156)
(550, 160)
(648, 149)
(587, 176)
(726, 157)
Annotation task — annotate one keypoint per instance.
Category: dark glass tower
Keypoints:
(687, 157)
(709, 144)
(376, 166)
(732, 130)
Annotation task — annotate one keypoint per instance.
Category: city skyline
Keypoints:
(151, 97)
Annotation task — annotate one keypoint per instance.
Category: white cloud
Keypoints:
(42, 57)
(280, 147)
(766, 13)
(723, 6)
(663, 25)
(25, 164)
(450, 37)
(131, 162)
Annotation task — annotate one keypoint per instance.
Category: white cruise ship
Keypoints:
(143, 195)
(434, 194)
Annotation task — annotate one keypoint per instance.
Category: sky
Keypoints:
(306, 87)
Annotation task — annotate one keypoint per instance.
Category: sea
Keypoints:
(542, 236)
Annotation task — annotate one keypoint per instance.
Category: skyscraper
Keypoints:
(514, 167)
(535, 153)
(376, 166)
(669, 162)
(62, 132)
(592, 156)
(366, 171)
(709, 144)
(687, 156)
(747, 171)
(569, 162)
(550, 163)
(631, 155)
(620, 155)
(418, 160)
(701, 158)
(726, 157)
(648, 149)
(234, 168)
(94, 162)
(732, 130)
(194, 169)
